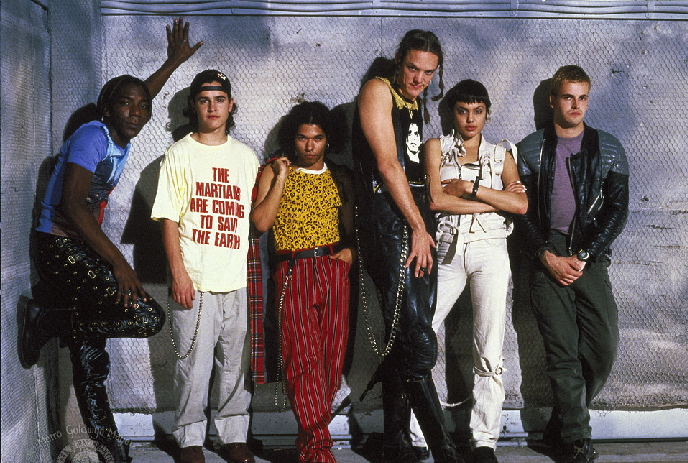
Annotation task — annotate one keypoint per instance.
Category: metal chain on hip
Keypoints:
(195, 335)
(280, 360)
(400, 292)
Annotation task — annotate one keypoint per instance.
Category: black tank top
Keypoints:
(408, 133)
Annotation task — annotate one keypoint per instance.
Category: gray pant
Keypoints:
(579, 327)
(223, 340)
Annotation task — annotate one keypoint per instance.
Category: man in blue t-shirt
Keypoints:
(87, 291)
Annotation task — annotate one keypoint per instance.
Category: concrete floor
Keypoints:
(507, 452)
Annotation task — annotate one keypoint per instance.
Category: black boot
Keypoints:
(551, 437)
(428, 410)
(91, 365)
(397, 415)
(118, 449)
(579, 451)
(41, 324)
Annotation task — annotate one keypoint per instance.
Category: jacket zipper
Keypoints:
(539, 209)
(598, 198)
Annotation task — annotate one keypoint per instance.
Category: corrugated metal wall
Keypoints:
(25, 113)
(640, 94)
(619, 9)
(50, 58)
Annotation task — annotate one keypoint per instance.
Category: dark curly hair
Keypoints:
(308, 112)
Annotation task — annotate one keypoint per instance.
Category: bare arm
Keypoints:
(270, 189)
(442, 200)
(76, 184)
(375, 107)
(178, 51)
(183, 291)
(511, 199)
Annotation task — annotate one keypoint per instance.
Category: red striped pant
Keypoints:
(315, 328)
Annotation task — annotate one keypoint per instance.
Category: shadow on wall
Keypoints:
(541, 106)
(150, 260)
(140, 230)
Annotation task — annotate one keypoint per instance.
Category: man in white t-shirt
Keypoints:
(203, 202)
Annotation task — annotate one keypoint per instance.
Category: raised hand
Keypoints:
(178, 48)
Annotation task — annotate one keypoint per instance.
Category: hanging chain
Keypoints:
(280, 360)
(195, 335)
(400, 291)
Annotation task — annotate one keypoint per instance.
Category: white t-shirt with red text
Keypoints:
(207, 190)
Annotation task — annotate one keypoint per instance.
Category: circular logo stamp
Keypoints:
(83, 451)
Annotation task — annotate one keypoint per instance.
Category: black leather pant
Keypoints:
(74, 276)
(407, 379)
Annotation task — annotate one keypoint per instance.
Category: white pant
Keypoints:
(485, 264)
(223, 339)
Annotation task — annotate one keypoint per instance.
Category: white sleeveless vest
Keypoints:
(455, 229)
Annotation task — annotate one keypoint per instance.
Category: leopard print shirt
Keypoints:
(308, 214)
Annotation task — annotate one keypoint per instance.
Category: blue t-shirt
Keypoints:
(92, 148)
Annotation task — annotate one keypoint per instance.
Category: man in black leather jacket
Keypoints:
(577, 185)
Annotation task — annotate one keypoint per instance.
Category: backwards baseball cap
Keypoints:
(206, 77)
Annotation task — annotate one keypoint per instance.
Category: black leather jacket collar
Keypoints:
(599, 174)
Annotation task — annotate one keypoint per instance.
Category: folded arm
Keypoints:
(455, 196)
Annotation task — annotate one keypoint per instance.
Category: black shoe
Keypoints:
(117, 452)
(32, 339)
(579, 451)
(484, 455)
(422, 452)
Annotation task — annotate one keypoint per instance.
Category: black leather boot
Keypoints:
(579, 451)
(397, 415)
(428, 410)
(91, 365)
(40, 325)
(118, 449)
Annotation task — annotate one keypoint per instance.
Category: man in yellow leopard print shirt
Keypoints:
(309, 206)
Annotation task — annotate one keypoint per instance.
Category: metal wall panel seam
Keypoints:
(650, 6)
(526, 11)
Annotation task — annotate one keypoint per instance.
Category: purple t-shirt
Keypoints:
(563, 201)
(92, 148)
